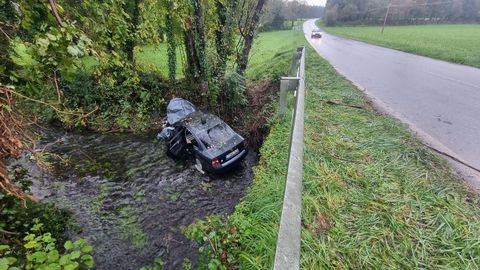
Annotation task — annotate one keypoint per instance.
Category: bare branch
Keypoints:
(59, 94)
(53, 107)
(53, 7)
(5, 33)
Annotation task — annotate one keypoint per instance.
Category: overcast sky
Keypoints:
(316, 2)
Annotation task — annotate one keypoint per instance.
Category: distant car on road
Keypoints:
(316, 33)
(214, 145)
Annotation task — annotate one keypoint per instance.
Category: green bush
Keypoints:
(157, 265)
(123, 97)
(34, 234)
(219, 242)
(40, 252)
(19, 218)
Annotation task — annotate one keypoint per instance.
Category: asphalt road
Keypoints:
(437, 99)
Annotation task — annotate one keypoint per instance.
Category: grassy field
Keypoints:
(153, 57)
(458, 43)
(271, 52)
(267, 57)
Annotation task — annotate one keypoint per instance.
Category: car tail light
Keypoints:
(245, 142)
(216, 162)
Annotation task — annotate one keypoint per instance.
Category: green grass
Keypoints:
(152, 57)
(457, 43)
(272, 52)
(258, 214)
(155, 57)
(374, 196)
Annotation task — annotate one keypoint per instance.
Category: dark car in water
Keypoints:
(206, 138)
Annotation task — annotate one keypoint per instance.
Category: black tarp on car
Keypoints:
(177, 109)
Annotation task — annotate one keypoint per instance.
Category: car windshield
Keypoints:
(217, 136)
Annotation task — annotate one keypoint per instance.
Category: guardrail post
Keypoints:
(293, 66)
(286, 84)
(283, 96)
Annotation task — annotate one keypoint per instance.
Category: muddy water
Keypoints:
(129, 199)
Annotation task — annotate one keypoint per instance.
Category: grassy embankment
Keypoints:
(457, 43)
(257, 215)
(374, 197)
(272, 52)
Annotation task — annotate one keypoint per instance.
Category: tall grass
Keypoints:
(457, 43)
(258, 215)
(374, 197)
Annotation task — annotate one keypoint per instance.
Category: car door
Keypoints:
(177, 144)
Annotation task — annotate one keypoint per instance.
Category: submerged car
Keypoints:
(316, 33)
(206, 138)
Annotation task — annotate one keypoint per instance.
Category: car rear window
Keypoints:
(217, 136)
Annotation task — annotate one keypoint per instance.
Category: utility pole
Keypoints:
(386, 15)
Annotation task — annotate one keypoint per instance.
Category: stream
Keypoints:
(129, 199)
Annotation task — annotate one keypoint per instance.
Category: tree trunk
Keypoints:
(192, 59)
(134, 12)
(242, 60)
(224, 34)
(171, 44)
(220, 39)
(199, 23)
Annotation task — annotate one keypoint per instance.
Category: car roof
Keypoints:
(193, 122)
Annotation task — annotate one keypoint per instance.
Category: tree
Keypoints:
(132, 8)
(401, 11)
(247, 30)
(274, 15)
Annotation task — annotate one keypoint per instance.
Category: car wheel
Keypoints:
(199, 166)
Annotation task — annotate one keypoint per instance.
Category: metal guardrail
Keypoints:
(287, 253)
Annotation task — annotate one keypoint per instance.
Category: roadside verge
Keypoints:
(374, 195)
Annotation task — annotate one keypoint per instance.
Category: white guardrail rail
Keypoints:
(287, 253)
